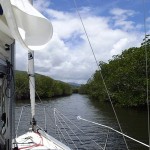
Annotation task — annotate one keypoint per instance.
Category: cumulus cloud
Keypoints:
(121, 18)
(120, 45)
(68, 56)
(122, 12)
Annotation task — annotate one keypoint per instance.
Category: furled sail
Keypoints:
(25, 24)
(20, 21)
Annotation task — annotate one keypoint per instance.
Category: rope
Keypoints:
(146, 73)
(35, 144)
(99, 68)
(79, 118)
(99, 146)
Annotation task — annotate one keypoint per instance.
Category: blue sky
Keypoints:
(103, 7)
(68, 5)
(112, 26)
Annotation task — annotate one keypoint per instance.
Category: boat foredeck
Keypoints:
(34, 140)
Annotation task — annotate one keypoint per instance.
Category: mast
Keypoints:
(31, 82)
(32, 85)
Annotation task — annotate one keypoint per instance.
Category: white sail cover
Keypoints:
(22, 22)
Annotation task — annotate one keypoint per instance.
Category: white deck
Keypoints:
(36, 141)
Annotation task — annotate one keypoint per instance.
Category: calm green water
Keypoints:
(133, 122)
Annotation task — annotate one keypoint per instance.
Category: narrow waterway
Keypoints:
(133, 122)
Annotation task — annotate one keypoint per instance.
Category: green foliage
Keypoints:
(22, 90)
(65, 88)
(45, 86)
(83, 89)
(75, 90)
(125, 78)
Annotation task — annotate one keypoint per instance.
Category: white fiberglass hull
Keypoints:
(38, 141)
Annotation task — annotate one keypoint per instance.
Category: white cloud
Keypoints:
(121, 18)
(119, 46)
(42, 5)
(122, 12)
(68, 56)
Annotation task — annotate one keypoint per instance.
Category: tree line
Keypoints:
(124, 76)
(45, 86)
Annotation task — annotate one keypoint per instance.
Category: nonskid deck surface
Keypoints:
(35, 141)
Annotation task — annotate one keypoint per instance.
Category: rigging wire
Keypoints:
(36, 91)
(19, 122)
(79, 118)
(65, 130)
(20, 88)
(99, 68)
(45, 119)
(68, 127)
(58, 130)
(99, 146)
(146, 72)
(106, 140)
